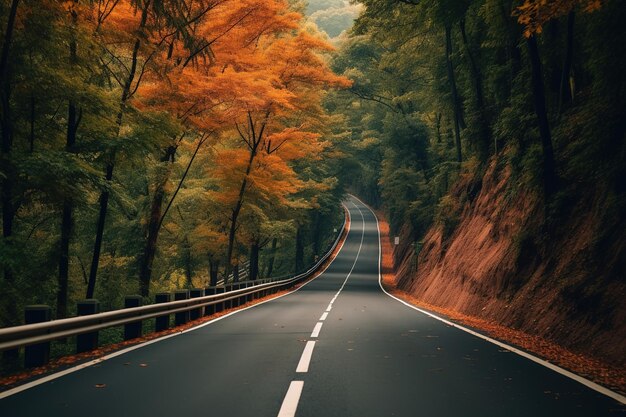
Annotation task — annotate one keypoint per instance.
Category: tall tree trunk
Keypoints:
(254, 261)
(514, 56)
(565, 94)
(187, 260)
(236, 272)
(68, 204)
(299, 250)
(539, 99)
(455, 97)
(97, 247)
(483, 130)
(6, 46)
(154, 225)
(232, 232)
(31, 147)
(104, 196)
(214, 266)
(157, 214)
(317, 234)
(6, 195)
(438, 127)
(62, 281)
(270, 266)
(145, 268)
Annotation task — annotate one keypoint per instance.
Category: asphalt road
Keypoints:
(338, 346)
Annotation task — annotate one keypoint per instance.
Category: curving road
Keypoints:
(339, 346)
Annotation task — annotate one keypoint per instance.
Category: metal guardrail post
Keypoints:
(198, 312)
(241, 300)
(234, 302)
(220, 306)
(250, 296)
(87, 341)
(182, 317)
(162, 322)
(133, 330)
(229, 303)
(209, 310)
(39, 354)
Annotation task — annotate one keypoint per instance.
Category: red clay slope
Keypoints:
(493, 267)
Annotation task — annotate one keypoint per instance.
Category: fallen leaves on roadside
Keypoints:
(100, 385)
(609, 376)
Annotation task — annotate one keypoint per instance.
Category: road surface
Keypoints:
(339, 346)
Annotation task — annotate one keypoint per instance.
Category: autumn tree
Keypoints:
(271, 125)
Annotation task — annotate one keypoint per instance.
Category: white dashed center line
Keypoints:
(316, 330)
(305, 359)
(290, 403)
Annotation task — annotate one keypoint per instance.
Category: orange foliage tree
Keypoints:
(275, 103)
(533, 14)
(157, 85)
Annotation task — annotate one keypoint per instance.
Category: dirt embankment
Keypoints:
(560, 296)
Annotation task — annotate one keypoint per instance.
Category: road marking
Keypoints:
(590, 384)
(305, 359)
(358, 253)
(316, 330)
(52, 377)
(324, 316)
(330, 307)
(290, 403)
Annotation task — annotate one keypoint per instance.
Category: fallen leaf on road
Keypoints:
(143, 365)
(100, 385)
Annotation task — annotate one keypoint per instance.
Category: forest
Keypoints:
(154, 145)
(448, 87)
(491, 133)
(149, 145)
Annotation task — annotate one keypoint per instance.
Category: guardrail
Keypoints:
(36, 337)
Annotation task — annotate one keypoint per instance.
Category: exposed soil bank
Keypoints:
(495, 264)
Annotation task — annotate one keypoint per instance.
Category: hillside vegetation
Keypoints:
(492, 132)
(153, 145)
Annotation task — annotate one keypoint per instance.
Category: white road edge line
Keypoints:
(292, 398)
(305, 359)
(590, 384)
(76, 368)
(316, 330)
(358, 253)
(323, 317)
